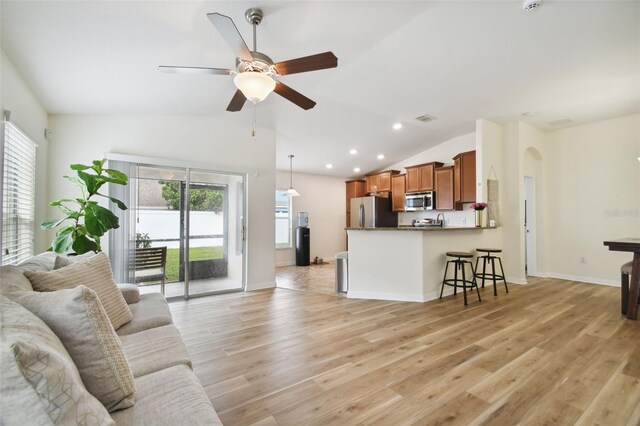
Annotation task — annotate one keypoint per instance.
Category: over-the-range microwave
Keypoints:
(417, 201)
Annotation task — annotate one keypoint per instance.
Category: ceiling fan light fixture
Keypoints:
(255, 86)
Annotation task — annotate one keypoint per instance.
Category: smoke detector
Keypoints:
(531, 4)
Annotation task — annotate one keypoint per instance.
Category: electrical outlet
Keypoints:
(583, 260)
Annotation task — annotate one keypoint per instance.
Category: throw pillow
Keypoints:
(94, 273)
(40, 384)
(61, 393)
(80, 322)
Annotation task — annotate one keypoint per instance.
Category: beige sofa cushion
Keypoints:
(78, 319)
(155, 349)
(12, 278)
(172, 396)
(40, 384)
(42, 262)
(94, 273)
(151, 311)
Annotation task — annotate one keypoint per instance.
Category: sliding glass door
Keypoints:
(215, 221)
(184, 234)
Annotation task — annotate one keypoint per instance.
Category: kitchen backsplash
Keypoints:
(464, 217)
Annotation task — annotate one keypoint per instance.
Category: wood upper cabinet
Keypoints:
(464, 179)
(421, 177)
(444, 188)
(397, 193)
(381, 181)
(355, 189)
(372, 184)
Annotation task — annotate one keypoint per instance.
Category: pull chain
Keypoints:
(253, 132)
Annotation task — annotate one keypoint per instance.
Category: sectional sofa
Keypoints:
(166, 390)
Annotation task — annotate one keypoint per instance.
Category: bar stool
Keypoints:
(490, 257)
(459, 263)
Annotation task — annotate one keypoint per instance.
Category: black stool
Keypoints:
(459, 263)
(490, 257)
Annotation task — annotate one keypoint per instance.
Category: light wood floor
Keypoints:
(553, 352)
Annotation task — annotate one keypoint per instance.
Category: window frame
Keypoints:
(289, 218)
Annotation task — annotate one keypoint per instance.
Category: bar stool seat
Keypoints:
(455, 282)
(489, 256)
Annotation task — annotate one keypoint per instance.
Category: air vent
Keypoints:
(560, 122)
(425, 118)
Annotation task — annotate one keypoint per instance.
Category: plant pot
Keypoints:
(479, 218)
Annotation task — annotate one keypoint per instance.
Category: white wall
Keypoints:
(324, 198)
(593, 195)
(444, 153)
(31, 117)
(587, 191)
(209, 141)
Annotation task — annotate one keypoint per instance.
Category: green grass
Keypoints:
(195, 253)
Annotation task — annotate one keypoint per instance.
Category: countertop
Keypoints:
(424, 229)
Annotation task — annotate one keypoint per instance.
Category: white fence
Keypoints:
(165, 224)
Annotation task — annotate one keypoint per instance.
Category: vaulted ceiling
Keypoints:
(457, 61)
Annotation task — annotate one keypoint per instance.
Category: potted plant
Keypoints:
(89, 220)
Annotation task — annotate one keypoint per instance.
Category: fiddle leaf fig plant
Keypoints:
(85, 221)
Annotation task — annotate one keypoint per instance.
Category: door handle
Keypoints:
(361, 217)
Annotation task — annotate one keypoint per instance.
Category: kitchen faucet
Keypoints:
(438, 218)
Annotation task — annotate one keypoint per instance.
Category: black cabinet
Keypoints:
(303, 247)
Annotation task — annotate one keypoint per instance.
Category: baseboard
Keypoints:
(397, 297)
(590, 280)
(400, 297)
(513, 280)
(260, 286)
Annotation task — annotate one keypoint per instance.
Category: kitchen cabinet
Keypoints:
(380, 182)
(355, 189)
(464, 178)
(397, 193)
(421, 177)
(444, 188)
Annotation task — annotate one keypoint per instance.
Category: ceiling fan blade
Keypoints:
(237, 102)
(193, 70)
(291, 95)
(231, 35)
(308, 63)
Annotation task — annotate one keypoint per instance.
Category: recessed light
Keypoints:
(380, 156)
(397, 126)
(329, 166)
(357, 170)
(353, 151)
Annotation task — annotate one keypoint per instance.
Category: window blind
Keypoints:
(18, 195)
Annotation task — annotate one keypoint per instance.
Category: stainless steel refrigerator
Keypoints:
(372, 212)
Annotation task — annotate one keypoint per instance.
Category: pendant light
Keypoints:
(291, 192)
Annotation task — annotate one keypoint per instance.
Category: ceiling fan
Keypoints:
(254, 70)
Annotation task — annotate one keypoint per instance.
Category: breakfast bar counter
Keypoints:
(407, 263)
